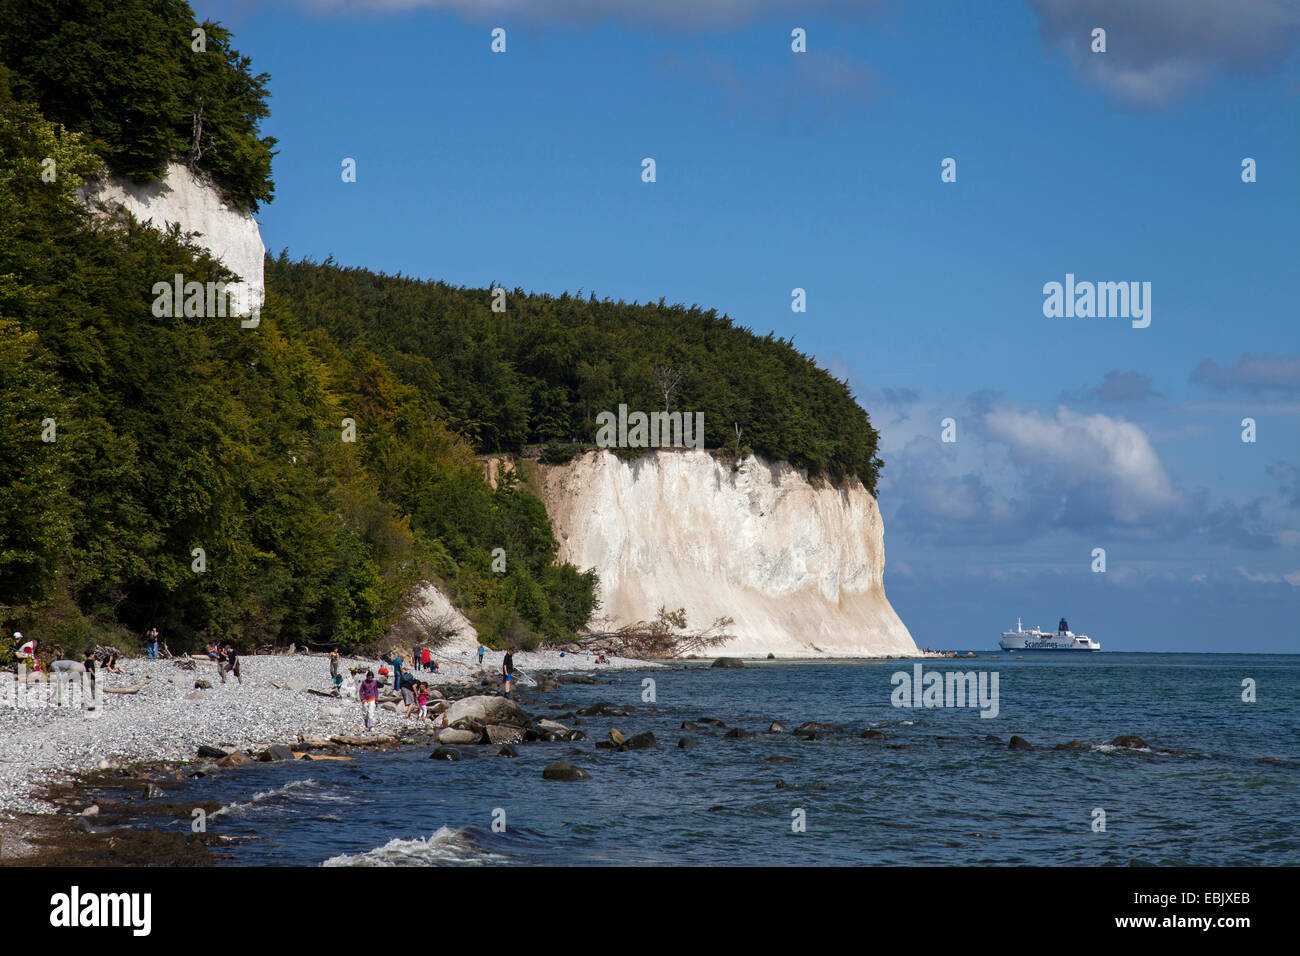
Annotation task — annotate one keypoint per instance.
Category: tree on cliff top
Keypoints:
(125, 73)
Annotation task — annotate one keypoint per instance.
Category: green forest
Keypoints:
(195, 475)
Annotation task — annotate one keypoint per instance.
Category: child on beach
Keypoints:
(369, 697)
(423, 700)
(508, 669)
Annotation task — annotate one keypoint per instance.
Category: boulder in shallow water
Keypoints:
(276, 752)
(235, 759)
(1132, 741)
(616, 737)
(735, 733)
(1019, 743)
(445, 753)
(211, 753)
(871, 735)
(728, 662)
(563, 770)
(688, 725)
(488, 709)
(778, 728)
(643, 741)
(503, 734)
(1072, 745)
(507, 751)
(454, 735)
(686, 743)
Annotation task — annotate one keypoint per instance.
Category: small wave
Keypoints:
(262, 796)
(444, 847)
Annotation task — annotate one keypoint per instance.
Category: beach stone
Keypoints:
(606, 709)
(445, 753)
(552, 725)
(203, 684)
(778, 728)
(728, 662)
(211, 753)
(454, 735)
(507, 751)
(810, 725)
(563, 770)
(295, 684)
(91, 811)
(488, 709)
(688, 725)
(502, 734)
(1130, 740)
(235, 759)
(642, 741)
(871, 735)
(276, 752)
(616, 737)
(389, 706)
(152, 791)
(194, 695)
(1019, 743)
(334, 711)
(310, 742)
(686, 743)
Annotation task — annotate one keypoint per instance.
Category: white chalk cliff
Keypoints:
(229, 233)
(798, 567)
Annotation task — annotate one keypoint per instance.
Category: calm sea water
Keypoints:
(935, 792)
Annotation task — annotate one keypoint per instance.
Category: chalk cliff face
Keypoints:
(230, 234)
(798, 567)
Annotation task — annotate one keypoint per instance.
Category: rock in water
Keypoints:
(872, 735)
(450, 735)
(445, 753)
(616, 738)
(507, 751)
(1019, 743)
(153, 791)
(502, 734)
(276, 752)
(487, 709)
(563, 770)
(686, 743)
(778, 728)
(1130, 740)
(643, 741)
(234, 759)
(728, 662)
(735, 733)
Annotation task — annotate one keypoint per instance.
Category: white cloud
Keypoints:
(1160, 50)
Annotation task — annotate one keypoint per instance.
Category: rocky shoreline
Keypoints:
(171, 719)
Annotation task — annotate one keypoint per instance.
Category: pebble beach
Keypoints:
(168, 719)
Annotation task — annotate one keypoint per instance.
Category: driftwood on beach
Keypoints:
(123, 690)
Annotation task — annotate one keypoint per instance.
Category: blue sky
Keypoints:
(821, 170)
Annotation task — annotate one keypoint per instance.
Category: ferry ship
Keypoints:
(1038, 640)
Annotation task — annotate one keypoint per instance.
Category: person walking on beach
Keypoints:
(408, 692)
(368, 694)
(508, 669)
(336, 674)
(151, 643)
(480, 655)
(426, 659)
(228, 663)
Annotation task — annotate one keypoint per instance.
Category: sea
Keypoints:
(1219, 783)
